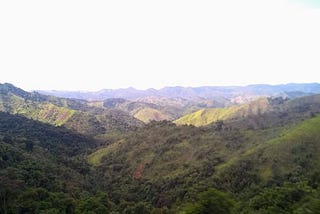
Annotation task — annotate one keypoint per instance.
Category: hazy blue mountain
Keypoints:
(207, 92)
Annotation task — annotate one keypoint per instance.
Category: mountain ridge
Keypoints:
(74, 114)
(191, 92)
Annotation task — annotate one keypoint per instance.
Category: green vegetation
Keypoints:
(211, 201)
(78, 115)
(40, 166)
(148, 114)
(206, 116)
(72, 156)
(96, 157)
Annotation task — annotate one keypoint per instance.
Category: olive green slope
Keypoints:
(169, 165)
(206, 116)
(77, 115)
(280, 175)
(160, 108)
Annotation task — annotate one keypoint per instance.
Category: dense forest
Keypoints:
(63, 155)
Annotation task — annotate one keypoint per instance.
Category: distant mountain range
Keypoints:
(205, 92)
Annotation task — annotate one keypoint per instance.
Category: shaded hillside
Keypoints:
(42, 169)
(102, 122)
(47, 136)
(77, 115)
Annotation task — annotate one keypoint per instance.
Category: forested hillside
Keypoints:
(60, 155)
(77, 115)
(42, 167)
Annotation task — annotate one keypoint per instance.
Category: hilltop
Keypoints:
(172, 103)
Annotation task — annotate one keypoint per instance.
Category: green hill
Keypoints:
(76, 115)
(142, 111)
(207, 116)
(148, 114)
(275, 171)
(168, 165)
(159, 108)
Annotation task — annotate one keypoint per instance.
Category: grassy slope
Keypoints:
(293, 155)
(168, 151)
(159, 108)
(74, 114)
(185, 158)
(148, 114)
(41, 111)
(207, 116)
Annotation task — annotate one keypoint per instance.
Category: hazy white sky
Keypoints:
(90, 45)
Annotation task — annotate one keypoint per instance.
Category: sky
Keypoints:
(91, 45)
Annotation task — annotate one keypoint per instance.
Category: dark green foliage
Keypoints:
(56, 140)
(40, 166)
(278, 199)
(311, 204)
(211, 201)
(99, 204)
(39, 200)
(133, 208)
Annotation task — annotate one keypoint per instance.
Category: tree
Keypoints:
(211, 201)
(29, 145)
(9, 189)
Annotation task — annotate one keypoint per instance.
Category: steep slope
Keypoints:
(148, 114)
(77, 115)
(168, 165)
(294, 149)
(207, 116)
(163, 162)
(281, 175)
(143, 111)
(42, 169)
(44, 135)
(269, 109)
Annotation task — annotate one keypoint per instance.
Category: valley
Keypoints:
(249, 149)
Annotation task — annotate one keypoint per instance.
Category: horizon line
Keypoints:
(176, 86)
